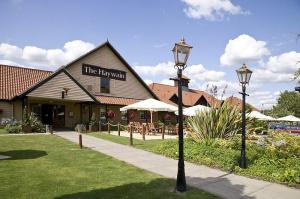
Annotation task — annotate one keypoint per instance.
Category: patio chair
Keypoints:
(172, 129)
(138, 127)
(152, 129)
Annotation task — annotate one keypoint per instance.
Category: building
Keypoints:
(190, 97)
(99, 82)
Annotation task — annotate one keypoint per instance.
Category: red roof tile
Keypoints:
(15, 80)
(116, 100)
(190, 97)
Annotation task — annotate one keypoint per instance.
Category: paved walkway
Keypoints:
(220, 183)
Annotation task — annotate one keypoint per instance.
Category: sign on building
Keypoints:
(98, 71)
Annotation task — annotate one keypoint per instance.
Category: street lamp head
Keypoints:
(181, 53)
(244, 74)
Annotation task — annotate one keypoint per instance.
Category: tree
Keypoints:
(297, 74)
(288, 104)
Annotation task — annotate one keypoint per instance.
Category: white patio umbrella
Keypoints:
(192, 111)
(151, 105)
(260, 116)
(289, 118)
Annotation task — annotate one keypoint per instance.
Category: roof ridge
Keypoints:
(24, 67)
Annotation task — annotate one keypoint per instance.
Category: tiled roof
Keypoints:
(115, 100)
(15, 80)
(235, 101)
(190, 97)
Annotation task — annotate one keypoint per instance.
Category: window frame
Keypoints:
(102, 88)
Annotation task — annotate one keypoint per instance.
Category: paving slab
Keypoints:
(223, 184)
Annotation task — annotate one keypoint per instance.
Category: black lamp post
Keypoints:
(181, 53)
(244, 75)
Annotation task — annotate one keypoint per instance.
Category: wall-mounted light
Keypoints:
(66, 91)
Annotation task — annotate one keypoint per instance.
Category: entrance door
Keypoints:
(58, 116)
(47, 114)
(53, 115)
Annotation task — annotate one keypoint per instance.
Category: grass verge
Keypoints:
(46, 166)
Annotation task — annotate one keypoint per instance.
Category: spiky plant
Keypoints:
(222, 122)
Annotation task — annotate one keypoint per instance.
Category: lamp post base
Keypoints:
(181, 183)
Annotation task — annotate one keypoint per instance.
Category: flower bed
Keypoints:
(272, 158)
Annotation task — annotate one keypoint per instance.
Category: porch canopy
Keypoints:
(260, 116)
(151, 105)
(192, 111)
(289, 118)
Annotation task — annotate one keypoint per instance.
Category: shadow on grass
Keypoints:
(24, 154)
(158, 188)
(164, 188)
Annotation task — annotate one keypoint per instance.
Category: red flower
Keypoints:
(110, 114)
(167, 116)
(131, 115)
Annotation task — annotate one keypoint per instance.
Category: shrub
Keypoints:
(13, 127)
(222, 122)
(36, 124)
(273, 158)
(26, 117)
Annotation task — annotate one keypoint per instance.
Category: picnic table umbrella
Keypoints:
(289, 118)
(192, 111)
(151, 105)
(260, 116)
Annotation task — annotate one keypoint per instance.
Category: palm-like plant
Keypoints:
(222, 122)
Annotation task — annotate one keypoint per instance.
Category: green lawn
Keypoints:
(147, 145)
(46, 166)
(3, 131)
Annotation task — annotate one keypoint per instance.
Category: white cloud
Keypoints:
(263, 99)
(10, 51)
(8, 62)
(199, 72)
(267, 76)
(243, 49)
(211, 9)
(284, 63)
(34, 54)
(167, 82)
(165, 70)
(148, 81)
(45, 58)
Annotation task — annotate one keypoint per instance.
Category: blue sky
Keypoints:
(46, 34)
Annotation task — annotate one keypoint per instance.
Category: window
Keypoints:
(142, 115)
(124, 115)
(37, 110)
(104, 85)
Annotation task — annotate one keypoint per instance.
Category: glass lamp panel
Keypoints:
(239, 76)
(181, 52)
(244, 77)
(248, 76)
(182, 57)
